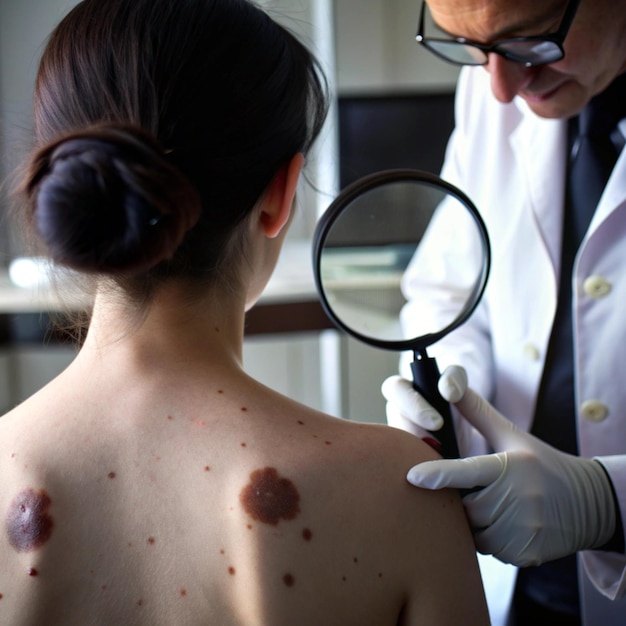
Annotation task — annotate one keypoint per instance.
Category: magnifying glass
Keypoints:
(398, 236)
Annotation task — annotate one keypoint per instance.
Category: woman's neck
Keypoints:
(173, 329)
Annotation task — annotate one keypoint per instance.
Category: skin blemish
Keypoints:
(222, 552)
(288, 579)
(112, 475)
(249, 526)
(344, 579)
(355, 560)
(220, 391)
(243, 444)
(183, 593)
(244, 409)
(307, 535)
(28, 523)
(32, 571)
(207, 468)
(301, 422)
(328, 443)
(170, 418)
(140, 602)
(269, 498)
(231, 570)
(1, 596)
(151, 540)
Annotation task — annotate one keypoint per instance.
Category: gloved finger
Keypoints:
(396, 419)
(500, 432)
(410, 404)
(476, 471)
(453, 383)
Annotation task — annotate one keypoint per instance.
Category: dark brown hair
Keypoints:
(158, 125)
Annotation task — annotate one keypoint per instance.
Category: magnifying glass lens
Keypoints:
(385, 231)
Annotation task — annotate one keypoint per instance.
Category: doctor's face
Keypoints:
(595, 48)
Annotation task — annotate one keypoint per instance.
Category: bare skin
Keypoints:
(181, 491)
(595, 48)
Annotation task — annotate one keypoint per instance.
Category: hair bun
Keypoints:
(105, 199)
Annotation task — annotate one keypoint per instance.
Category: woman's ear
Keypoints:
(278, 200)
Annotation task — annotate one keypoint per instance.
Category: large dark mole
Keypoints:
(270, 498)
(288, 580)
(29, 524)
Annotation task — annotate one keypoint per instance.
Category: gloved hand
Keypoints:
(407, 409)
(537, 503)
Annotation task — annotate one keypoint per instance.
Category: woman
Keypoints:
(153, 482)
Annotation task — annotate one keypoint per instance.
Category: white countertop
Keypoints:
(292, 281)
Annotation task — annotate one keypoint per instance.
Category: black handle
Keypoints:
(425, 378)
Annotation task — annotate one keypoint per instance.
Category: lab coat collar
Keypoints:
(540, 147)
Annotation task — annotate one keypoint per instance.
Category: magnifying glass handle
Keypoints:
(425, 379)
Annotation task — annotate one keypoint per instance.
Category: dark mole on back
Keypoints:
(270, 498)
(28, 523)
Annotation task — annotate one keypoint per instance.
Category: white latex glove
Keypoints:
(408, 410)
(537, 504)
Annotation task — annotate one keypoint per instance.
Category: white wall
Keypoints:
(376, 49)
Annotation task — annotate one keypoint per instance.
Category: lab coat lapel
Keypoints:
(540, 146)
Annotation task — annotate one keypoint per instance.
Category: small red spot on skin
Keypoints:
(307, 535)
(157, 458)
(243, 444)
(328, 443)
(130, 544)
(140, 602)
(220, 391)
(13, 455)
(1, 596)
(151, 540)
(222, 552)
(288, 580)
(269, 498)
(32, 571)
(301, 422)
(249, 526)
(183, 592)
(231, 571)
(104, 587)
(244, 409)
(169, 417)
(207, 468)
(112, 475)
(29, 524)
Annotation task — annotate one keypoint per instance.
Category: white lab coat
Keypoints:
(511, 163)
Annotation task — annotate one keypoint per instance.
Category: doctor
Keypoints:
(546, 345)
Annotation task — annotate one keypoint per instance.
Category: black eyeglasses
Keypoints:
(537, 50)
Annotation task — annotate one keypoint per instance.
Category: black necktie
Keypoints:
(593, 157)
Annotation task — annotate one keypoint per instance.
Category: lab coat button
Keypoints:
(531, 352)
(596, 287)
(594, 411)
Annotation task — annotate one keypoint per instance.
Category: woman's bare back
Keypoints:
(221, 504)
